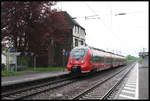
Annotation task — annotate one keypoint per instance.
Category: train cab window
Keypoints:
(78, 53)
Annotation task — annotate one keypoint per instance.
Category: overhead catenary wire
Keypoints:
(102, 21)
(99, 18)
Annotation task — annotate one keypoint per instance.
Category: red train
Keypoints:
(86, 59)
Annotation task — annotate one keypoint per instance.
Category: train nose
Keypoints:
(75, 69)
(76, 62)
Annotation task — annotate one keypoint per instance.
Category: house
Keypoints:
(75, 38)
(77, 31)
(59, 53)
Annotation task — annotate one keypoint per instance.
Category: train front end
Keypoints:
(78, 60)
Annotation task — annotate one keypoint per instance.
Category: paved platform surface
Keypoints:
(30, 77)
(143, 82)
(136, 86)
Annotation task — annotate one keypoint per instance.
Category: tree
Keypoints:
(31, 26)
(131, 58)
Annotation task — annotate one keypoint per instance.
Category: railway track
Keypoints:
(40, 88)
(95, 91)
(76, 88)
(35, 89)
(30, 91)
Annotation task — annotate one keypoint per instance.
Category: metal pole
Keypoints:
(16, 64)
(21, 61)
(8, 60)
(63, 59)
(16, 61)
(34, 62)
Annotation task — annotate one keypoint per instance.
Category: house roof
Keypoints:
(70, 20)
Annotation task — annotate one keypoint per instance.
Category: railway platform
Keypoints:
(136, 85)
(30, 77)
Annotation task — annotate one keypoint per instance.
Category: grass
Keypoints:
(9, 73)
(140, 60)
(31, 69)
(47, 68)
(129, 61)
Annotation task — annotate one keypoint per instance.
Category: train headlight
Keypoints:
(82, 61)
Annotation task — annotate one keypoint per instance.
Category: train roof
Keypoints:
(83, 47)
(96, 49)
(90, 47)
(106, 51)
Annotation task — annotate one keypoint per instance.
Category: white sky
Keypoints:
(126, 33)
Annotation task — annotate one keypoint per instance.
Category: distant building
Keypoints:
(59, 53)
(3, 58)
(144, 56)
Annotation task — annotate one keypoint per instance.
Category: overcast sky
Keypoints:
(126, 33)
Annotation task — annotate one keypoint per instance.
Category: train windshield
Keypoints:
(78, 53)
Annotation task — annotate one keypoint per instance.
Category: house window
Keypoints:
(81, 42)
(76, 42)
(77, 29)
(74, 29)
(81, 32)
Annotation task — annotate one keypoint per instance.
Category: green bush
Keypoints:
(2, 66)
(24, 61)
(140, 61)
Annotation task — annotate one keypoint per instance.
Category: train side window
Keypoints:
(91, 58)
(101, 59)
(108, 60)
(94, 58)
(97, 59)
(114, 60)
